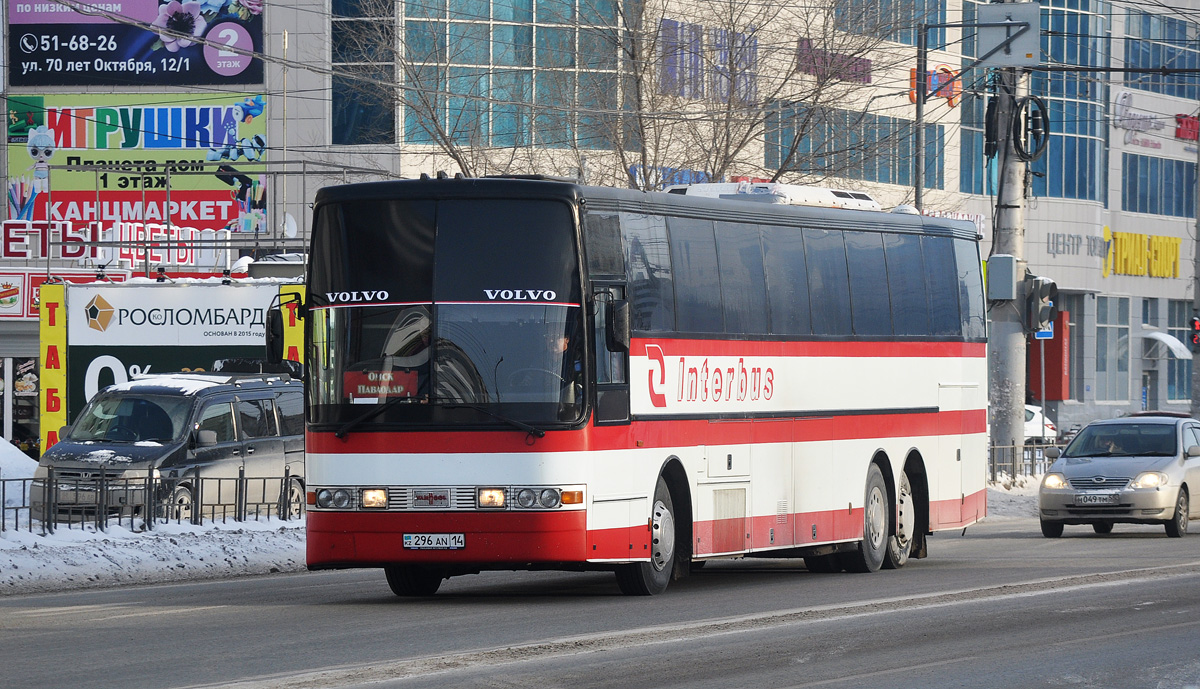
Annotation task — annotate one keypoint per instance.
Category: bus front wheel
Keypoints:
(413, 580)
(651, 578)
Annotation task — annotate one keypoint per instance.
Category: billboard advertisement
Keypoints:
(21, 289)
(115, 332)
(134, 43)
(165, 159)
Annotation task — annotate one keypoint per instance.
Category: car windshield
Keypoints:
(1124, 440)
(122, 417)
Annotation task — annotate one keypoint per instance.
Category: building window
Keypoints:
(476, 71)
(1112, 349)
(363, 98)
(717, 64)
(900, 17)
(1075, 165)
(853, 145)
(1159, 186)
(1179, 371)
(1162, 42)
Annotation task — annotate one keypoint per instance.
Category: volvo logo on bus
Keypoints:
(355, 297)
(521, 294)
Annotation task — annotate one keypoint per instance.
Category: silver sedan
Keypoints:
(1139, 469)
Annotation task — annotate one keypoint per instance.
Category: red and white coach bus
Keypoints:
(530, 374)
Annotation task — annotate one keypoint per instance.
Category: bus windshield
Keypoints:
(476, 319)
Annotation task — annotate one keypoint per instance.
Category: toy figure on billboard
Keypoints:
(251, 197)
(41, 149)
(233, 148)
(250, 108)
(251, 148)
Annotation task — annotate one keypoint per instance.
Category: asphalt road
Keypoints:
(998, 606)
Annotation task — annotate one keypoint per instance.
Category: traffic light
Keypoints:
(1195, 334)
(1043, 294)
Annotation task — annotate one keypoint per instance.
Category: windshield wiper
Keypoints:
(531, 430)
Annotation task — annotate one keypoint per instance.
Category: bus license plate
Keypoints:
(434, 541)
(1096, 498)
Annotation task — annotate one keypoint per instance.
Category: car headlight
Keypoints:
(1149, 479)
(1054, 482)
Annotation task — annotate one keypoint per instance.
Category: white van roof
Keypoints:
(778, 192)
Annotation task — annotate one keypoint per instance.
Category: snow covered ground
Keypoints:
(75, 558)
(72, 559)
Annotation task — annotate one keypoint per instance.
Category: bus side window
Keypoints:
(610, 366)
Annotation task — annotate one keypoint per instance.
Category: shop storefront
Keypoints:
(19, 402)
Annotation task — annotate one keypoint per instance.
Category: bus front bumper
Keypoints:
(502, 540)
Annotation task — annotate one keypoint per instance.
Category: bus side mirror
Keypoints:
(618, 326)
(274, 353)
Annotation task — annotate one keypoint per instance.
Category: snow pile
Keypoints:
(1013, 496)
(14, 464)
(75, 558)
(85, 558)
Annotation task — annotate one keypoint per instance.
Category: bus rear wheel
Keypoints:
(876, 510)
(413, 580)
(900, 544)
(651, 578)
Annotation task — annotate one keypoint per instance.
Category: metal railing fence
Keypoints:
(1018, 460)
(69, 500)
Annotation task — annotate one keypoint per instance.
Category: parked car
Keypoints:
(1038, 427)
(1139, 469)
(178, 430)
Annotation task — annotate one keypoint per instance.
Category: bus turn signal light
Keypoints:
(572, 497)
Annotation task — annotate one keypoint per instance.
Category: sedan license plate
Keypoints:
(434, 541)
(1096, 498)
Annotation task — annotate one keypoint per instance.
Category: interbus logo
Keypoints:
(521, 294)
(708, 379)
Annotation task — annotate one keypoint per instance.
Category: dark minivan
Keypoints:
(202, 439)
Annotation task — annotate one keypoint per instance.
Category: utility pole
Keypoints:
(1006, 341)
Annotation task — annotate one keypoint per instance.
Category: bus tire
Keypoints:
(412, 580)
(651, 578)
(869, 555)
(900, 543)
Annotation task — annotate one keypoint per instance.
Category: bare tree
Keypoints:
(637, 92)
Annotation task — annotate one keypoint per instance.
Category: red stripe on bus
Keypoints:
(665, 433)
(975, 350)
(356, 539)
